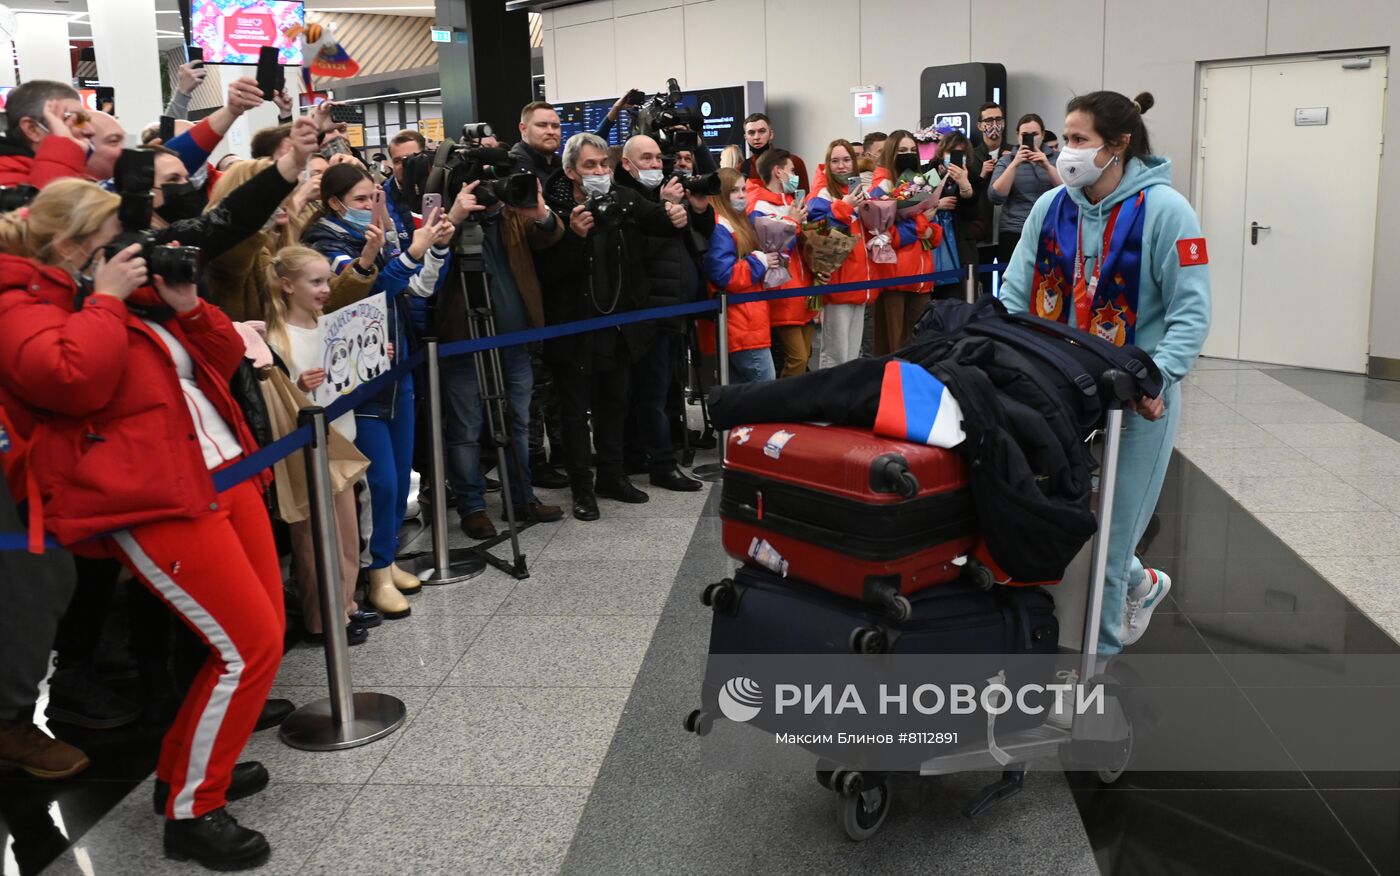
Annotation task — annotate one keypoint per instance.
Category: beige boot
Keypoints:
(385, 597)
(406, 583)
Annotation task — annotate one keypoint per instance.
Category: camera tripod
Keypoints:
(442, 565)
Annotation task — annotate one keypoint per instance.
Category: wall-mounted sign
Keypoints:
(1304, 116)
(441, 34)
(867, 101)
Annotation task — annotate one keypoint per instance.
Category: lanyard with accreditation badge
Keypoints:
(1084, 291)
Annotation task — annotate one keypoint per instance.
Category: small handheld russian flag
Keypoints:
(916, 406)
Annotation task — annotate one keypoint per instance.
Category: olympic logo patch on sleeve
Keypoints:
(1192, 251)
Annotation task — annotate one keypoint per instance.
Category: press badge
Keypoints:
(776, 442)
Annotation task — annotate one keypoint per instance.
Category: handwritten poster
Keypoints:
(356, 339)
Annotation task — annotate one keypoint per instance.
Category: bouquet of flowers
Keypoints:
(825, 249)
(878, 216)
(775, 236)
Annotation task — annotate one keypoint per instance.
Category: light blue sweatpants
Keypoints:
(1142, 467)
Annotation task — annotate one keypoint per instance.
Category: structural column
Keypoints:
(128, 58)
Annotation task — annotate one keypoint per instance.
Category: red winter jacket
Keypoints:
(842, 216)
(906, 236)
(782, 311)
(56, 158)
(725, 268)
(111, 442)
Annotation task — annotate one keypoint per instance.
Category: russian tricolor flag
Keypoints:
(916, 406)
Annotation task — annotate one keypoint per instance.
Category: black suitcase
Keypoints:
(758, 612)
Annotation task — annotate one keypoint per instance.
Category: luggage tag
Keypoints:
(742, 434)
(776, 442)
(767, 556)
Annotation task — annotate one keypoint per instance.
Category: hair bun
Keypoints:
(1145, 101)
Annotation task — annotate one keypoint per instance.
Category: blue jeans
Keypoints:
(751, 366)
(388, 443)
(465, 416)
(1142, 467)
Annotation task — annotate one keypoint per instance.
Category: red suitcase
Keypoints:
(863, 516)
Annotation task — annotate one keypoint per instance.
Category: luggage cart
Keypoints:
(864, 795)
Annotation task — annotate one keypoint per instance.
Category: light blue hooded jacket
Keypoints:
(1173, 301)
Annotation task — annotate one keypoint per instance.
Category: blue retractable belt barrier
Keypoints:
(285, 446)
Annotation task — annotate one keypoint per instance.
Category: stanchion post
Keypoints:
(713, 471)
(345, 719)
(443, 566)
(970, 284)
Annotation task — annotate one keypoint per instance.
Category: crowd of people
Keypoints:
(124, 386)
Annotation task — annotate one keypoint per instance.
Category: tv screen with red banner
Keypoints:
(232, 31)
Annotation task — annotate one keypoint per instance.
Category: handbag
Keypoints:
(347, 463)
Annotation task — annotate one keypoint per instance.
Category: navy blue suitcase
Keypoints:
(758, 612)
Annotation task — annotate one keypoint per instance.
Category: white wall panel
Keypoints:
(722, 40)
(808, 96)
(632, 7)
(582, 13)
(1051, 51)
(650, 49)
(892, 57)
(583, 58)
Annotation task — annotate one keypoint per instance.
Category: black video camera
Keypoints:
(705, 184)
(458, 163)
(135, 178)
(675, 128)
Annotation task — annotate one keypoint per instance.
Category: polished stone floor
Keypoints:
(544, 732)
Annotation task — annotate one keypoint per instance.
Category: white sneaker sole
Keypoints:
(1144, 614)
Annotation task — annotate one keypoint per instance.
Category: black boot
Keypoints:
(274, 712)
(249, 778)
(621, 489)
(217, 841)
(77, 696)
(676, 480)
(585, 505)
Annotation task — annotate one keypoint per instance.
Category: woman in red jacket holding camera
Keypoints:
(123, 395)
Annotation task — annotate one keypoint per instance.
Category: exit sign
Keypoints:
(442, 34)
(867, 103)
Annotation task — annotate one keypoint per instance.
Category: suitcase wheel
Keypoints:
(869, 641)
(864, 807)
(979, 575)
(720, 596)
(901, 607)
(699, 722)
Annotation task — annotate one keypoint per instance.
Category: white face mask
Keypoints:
(651, 178)
(594, 185)
(1077, 167)
(739, 203)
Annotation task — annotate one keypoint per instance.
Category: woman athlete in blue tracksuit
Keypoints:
(1117, 251)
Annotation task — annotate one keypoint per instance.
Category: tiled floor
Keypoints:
(544, 714)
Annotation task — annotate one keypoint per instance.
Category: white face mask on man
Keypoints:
(651, 178)
(595, 185)
(1077, 168)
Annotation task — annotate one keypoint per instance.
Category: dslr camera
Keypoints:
(135, 177)
(14, 197)
(465, 161)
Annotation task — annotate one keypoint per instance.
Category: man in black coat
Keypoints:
(672, 266)
(597, 269)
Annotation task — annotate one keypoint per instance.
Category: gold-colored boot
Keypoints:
(385, 597)
(407, 584)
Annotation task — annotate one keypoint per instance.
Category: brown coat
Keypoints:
(520, 236)
(237, 280)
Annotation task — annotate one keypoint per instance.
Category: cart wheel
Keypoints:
(901, 608)
(980, 576)
(699, 722)
(863, 812)
(868, 641)
(1109, 776)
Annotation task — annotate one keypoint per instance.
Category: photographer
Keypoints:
(113, 364)
(508, 234)
(44, 137)
(672, 267)
(596, 269)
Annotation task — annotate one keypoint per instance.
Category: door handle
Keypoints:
(1254, 229)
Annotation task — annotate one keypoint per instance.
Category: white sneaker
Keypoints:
(1138, 612)
(1062, 713)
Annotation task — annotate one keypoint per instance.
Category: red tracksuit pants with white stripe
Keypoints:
(220, 574)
